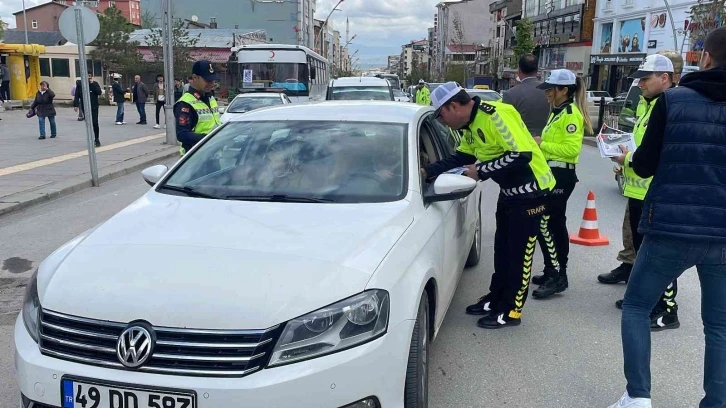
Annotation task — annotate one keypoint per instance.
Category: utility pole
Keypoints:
(167, 40)
(25, 23)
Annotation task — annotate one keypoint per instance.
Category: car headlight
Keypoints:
(31, 307)
(348, 323)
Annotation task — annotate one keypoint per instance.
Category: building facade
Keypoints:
(286, 22)
(563, 33)
(626, 31)
(458, 23)
(44, 17)
(393, 63)
(414, 58)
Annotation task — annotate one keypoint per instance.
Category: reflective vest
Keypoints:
(208, 117)
(563, 135)
(635, 186)
(423, 96)
(498, 129)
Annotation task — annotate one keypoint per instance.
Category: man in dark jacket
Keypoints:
(530, 102)
(95, 91)
(118, 97)
(683, 221)
(139, 94)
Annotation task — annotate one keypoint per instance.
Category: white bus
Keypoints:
(300, 72)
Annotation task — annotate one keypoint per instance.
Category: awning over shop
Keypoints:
(22, 49)
(212, 55)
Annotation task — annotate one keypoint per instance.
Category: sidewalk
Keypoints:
(34, 171)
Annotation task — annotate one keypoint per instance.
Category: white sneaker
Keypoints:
(123, 123)
(627, 402)
(119, 123)
(157, 126)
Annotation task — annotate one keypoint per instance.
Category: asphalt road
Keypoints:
(565, 354)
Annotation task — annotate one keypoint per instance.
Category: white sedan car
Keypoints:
(246, 102)
(293, 258)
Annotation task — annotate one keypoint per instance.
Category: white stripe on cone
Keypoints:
(591, 225)
(590, 204)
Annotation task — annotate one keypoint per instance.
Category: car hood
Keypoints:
(198, 263)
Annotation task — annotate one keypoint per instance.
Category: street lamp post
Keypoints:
(25, 23)
(322, 29)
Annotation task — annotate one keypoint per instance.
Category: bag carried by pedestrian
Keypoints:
(30, 113)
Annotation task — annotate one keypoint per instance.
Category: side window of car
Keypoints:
(448, 139)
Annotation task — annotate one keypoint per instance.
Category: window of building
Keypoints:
(112, 4)
(34, 23)
(45, 67)
(61, 67)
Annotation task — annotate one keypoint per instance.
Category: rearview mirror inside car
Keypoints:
(449, 187)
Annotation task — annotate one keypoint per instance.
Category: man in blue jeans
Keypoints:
(683, 221)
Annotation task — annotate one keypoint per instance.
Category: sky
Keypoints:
(381, 26)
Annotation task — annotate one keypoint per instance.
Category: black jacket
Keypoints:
(95, 90)
(43, 104)
(118, 92)
(684, 149)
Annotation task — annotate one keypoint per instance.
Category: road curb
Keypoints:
(17, 202)
(590, 141)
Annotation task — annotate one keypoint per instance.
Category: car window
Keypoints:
(355, 93)
(450, 140)
(349, 162)
(242, 105)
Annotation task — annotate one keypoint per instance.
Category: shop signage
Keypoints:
(617, 59)
(652, 43)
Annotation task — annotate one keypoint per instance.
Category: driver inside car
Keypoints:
(284, 166)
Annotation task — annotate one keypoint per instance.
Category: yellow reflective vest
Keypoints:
(423, 96)
(562, 136)
(636, 187)
(208, 117)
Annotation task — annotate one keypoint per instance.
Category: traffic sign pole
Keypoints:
(167, 40)
(87, 110)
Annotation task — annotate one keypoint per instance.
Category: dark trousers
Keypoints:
(662, 260)
(94, 120)
(141, 107)
(81, 112)
(518, 223)
(555, 240)
(5, 90)
(159, 107)
(668, 299)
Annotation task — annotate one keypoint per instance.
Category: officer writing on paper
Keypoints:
(196, 111)
(494, 134)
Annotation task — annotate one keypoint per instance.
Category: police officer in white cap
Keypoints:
(423, 95)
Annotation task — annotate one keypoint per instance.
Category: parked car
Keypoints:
(359, 88)
(400, 96)
(294, 250)
(246, 102)
(594, 97)
(484, 94)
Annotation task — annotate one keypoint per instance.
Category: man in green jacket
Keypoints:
(423, 95)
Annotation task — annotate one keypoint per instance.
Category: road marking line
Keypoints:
(70, 156)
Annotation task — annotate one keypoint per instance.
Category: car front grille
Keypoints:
(195, 352)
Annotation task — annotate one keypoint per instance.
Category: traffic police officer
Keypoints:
(656, 75)
(494, 134)
(561, 143)
(196, 111)
(423, 95)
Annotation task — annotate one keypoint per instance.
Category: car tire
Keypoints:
(416, 393)
(475, 251)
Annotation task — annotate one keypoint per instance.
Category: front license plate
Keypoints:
(89, 394)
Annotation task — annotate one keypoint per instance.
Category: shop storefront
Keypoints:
(611, 72)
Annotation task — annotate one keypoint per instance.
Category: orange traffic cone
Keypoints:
(589, 234)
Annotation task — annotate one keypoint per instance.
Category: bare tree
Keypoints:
(704, 18)
(457, 41)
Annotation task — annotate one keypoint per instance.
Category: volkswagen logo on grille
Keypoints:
(134, 346)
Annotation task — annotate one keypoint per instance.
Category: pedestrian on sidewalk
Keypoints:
(4, 82)
(118, 97)
(159, 97)
(44, 108)
(139, 94)
(683, 223)
(178, 89)
(78, 102)
(77, 89)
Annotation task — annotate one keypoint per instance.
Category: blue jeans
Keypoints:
(141, 107)
(41, 124)
(120, 111)
(660, 261)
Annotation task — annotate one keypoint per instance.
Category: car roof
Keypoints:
(259, 95)
(479, 90)
(358, 111)
(357, 81)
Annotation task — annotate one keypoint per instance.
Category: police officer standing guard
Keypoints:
(196, 111)
(493, 133)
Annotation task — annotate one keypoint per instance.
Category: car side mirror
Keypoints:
(449, 187)
(153, 174)
(220, 110)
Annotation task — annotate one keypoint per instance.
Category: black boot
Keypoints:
(482, 307)
(548, 271)
(661, 319)
(617, 275)
(551, 286)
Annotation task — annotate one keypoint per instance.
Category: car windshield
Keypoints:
(301, 161)
(246, 104)
(354, 93)
(485, 96)
(600, 94)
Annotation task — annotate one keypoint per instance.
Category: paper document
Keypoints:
(610, 139)
(457, 170)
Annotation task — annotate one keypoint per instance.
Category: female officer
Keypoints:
(560, 143)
